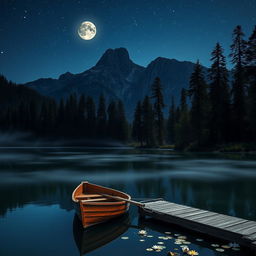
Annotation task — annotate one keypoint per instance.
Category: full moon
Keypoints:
(87, 30)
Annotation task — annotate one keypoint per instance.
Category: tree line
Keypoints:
(217, 108)
(71, 118)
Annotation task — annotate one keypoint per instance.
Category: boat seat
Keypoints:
(84, 196)
(94, 200)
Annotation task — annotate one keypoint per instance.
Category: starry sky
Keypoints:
(38, 38)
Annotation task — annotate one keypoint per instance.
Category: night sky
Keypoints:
(38, 38)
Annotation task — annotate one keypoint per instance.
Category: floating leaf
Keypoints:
(192, 252)
(149, 249)
(149, 236)
(160, 242)
(235, 249)
(199, 240)
(219, 250)
(167, 233)
(215, 245)
(226, 246)
(142, 232)
(186, 242)
(184, 248)
(142, 240)
(124, 237)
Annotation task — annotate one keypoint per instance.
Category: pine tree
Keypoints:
(112, 120)
(122, 124)
(251, 50)
(199, 109)
(171, 121)
(137, 124)
(219, 97)
(251, 83)
(148, 122)
(157, 95)
(182, 127)
(238, 49)
(90, 117)
(81, 115)
(101, 118)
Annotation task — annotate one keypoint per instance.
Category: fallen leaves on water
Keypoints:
(124, 237)
(215, 245)
(149, 249)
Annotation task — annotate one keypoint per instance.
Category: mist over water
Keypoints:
(40, 181)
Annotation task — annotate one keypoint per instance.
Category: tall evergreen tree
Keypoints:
(90, 117)
(251, 83)
(199, 109)
(238, 50)
(101, 118)
(171, 121)
(137, 124)
(219, 97)
(112, 120)
(122, 124)
(81, 108)
(182, 126)
(157, 95)
(251, 50)
(148, 122)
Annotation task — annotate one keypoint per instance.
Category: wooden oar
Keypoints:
(118, 198)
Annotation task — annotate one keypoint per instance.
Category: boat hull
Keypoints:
(93, 212)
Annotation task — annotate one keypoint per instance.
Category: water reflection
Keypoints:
(44, 178)
(97, 236)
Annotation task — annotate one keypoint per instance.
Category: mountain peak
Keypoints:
(113, 57)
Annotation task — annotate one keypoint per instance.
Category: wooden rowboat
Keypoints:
(95, 204)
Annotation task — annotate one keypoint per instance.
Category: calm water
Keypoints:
(37, 218)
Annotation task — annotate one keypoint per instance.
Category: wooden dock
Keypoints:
(211, 223)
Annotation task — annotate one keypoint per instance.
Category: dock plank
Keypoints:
(219, 225)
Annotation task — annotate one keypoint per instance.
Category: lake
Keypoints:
(36, 211)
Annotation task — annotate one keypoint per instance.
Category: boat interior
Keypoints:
(92, 193)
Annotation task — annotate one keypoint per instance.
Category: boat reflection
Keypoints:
(96, 236)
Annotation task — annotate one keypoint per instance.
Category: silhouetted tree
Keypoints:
(148, 122)
(122, 125)
(238, 49)
(157, 96)
(199, 109)
(101, 118)
(171, 121)
(251, 83)
(112, 119)
(219, 98)
(90, 117)
(182, 127)
(137, 132)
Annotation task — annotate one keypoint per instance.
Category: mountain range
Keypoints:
(117, 77)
